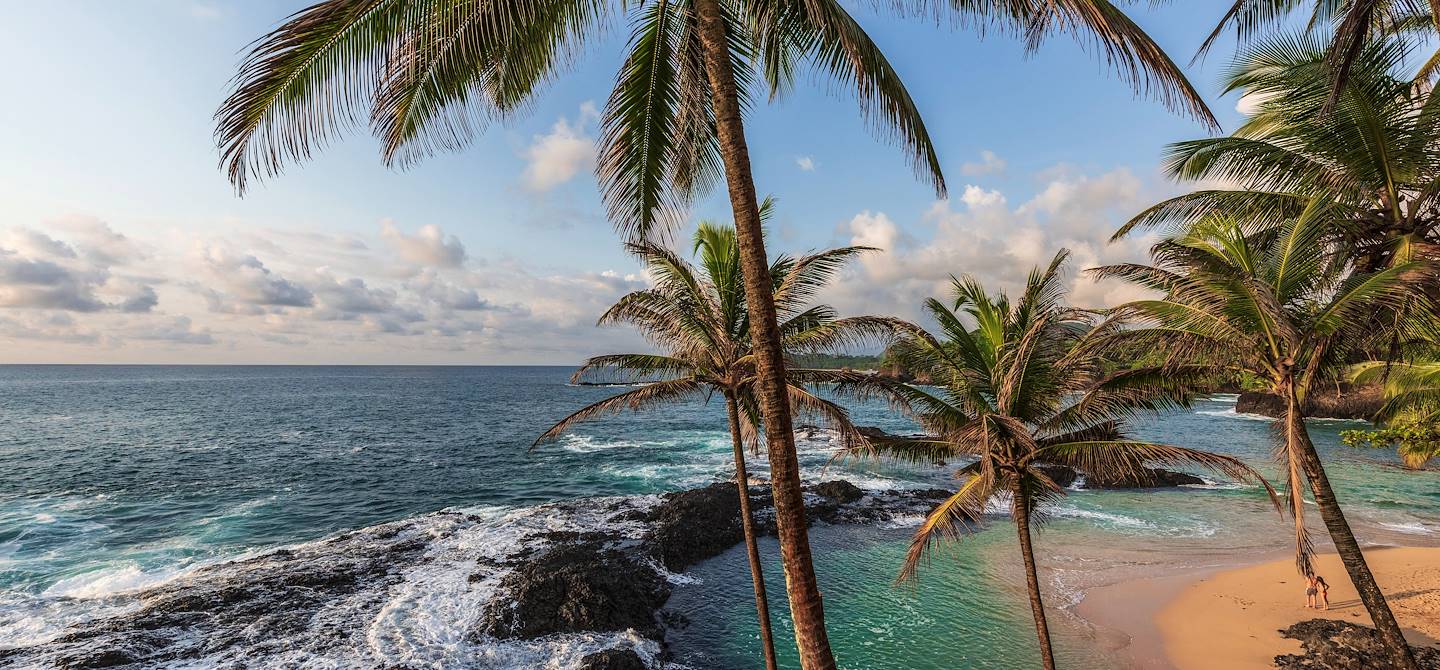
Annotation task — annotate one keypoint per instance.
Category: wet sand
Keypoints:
(1230, 618)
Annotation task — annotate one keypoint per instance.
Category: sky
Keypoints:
(121, 241)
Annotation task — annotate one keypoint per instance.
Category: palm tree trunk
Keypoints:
(1343, 539)
(757, 575)
(806, 605)
(1020, 508)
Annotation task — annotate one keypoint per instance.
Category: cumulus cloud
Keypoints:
(989, 163)
(243, 278)
(556, 157)
(805, 163)
(39, 271)
(981, 233)
(429, 246)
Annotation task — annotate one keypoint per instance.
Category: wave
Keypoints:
(1232, 414)
(1408, 528)
(402, 594)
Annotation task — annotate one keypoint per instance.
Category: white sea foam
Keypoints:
(1232, 414)
(124, 578)
(1408, 528)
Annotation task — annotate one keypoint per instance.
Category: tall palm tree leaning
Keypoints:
(1022, 388)
(699, 319)
(1278, 307)
(428, 73)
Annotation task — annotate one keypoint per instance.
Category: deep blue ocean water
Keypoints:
(113, 478)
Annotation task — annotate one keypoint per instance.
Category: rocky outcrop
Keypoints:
(575, 588)
(691, 526)
(1350, 402)
(1341, 645)
(1149, 478)
(1061, 475)
(613, 659)
(840, 491)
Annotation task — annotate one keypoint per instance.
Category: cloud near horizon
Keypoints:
(77, 290)
(90, 294)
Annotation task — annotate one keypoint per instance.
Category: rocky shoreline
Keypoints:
(584, 580)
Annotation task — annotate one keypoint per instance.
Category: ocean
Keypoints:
(119, 479)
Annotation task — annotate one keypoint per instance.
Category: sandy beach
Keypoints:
(1230, 618)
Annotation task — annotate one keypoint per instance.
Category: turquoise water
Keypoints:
(116, 478)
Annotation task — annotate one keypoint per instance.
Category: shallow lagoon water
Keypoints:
(115, 478)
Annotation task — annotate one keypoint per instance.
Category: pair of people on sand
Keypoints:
(1317, 591)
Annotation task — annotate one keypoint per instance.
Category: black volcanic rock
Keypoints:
(1152, 478)
(1341, 645)
(574, 588)
(840, 491)
(613, 659)
(1349, 402)
(1059, 474)
(691, 526)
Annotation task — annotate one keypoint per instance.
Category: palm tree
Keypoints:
(1278, 307)
(1020, 390)
(1409, 421)
(697, 316)
(1374, 161)
(428, 73)
(1352, 25)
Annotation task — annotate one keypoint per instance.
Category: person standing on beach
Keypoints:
(1317, 591)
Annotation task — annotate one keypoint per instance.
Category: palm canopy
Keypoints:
(1409, 421)
(1372, 163)
(1018, 385)
(427, 75)
(1273, 305)
(696, 315)
(1352, 25)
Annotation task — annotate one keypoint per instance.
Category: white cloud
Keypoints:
(555, 158)
(806, 163)
(243, 278)
(429, 246)
(989, 163)
(286, 295)
(981, 234)
(1250, 103)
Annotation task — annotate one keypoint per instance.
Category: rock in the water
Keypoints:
(840, 491)
(691, 526)
(1152, 478)
(1061, 475)
(574, 588)
(1341, 645)
(1349, 402)
(613, 659)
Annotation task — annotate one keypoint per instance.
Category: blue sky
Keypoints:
(501, 253)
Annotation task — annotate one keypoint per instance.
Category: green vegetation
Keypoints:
(1023, 390)
(1410, 418)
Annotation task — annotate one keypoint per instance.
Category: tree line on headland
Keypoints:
(1319, 251)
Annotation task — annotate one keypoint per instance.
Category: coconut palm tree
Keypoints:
(1409, 421)
(428, 73)
(698, 317)
(1374, 161)
(1278, 307)
(1021, 390)
(1352, 25)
